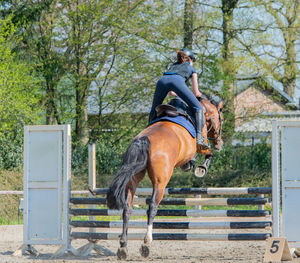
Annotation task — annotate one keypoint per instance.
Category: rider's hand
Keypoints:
(197, 93)
(172, 93)
(200, 97)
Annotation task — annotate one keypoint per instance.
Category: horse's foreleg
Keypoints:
(201, 170)
(207, 161)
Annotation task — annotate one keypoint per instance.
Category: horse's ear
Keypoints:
(220, 105)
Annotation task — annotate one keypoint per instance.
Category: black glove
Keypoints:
(200, 98)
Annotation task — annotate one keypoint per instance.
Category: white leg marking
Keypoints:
(148, 238)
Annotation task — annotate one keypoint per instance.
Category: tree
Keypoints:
(229, 70)
(94, 36)
(36, 22)
(50, 61)
(215, 33)
(278, 58)
(259, 39)
(117, 55)
(18, 86)
(75, 45)
(188, 28)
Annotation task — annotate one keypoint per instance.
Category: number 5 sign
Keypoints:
(277, 250)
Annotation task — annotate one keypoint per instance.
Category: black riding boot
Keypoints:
(200, 123)
(190, 165)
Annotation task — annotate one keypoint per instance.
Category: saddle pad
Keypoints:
(182, 121)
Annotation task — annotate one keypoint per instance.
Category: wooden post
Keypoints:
(198, 207)
(261, 207)
(92, 165)
(92, 176)
(92, 245)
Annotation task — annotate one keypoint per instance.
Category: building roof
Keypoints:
(262, 125)
(270, 87)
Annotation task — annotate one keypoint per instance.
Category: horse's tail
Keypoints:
(135, 161)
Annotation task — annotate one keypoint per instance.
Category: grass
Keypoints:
(10, 180)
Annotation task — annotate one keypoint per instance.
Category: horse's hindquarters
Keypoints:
(170, 141)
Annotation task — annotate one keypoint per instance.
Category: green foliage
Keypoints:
(232, 167)
(19, 99)
(18, 86)
(74, 45)
(11, 150)
(256, 157)
(211, 74)
(118, 129)
(108, 160)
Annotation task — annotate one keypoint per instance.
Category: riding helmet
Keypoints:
(189, 53)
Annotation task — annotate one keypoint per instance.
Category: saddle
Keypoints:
(176, 107)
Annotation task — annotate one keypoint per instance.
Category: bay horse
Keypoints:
(158, 149)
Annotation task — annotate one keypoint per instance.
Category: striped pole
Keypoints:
(173, 236)
(199, 191)
(174, 225)
(173, 212)
(180, 201)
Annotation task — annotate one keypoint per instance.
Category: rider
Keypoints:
(174, 83)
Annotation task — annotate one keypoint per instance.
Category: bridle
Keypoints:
(213, 124)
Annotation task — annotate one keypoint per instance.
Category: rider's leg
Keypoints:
(184, 93)
(200, 122)
(160, 93)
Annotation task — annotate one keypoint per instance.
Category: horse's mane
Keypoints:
(213, 99)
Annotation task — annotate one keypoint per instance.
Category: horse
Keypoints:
(158, 149)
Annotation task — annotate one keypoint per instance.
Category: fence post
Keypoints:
(92, 176)
(261, 207)
(198, 207)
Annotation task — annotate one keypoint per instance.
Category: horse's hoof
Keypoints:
(145, 250)
(200, 171)
(122, 253)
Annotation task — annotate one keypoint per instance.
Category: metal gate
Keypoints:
(46, 184)
(286, 180)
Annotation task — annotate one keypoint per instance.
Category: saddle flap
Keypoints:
(171, 111)
(166, 110)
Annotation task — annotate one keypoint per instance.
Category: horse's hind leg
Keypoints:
(130, 191)
(122, 251)
(157, 195)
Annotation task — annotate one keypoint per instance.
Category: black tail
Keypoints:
(135, 161)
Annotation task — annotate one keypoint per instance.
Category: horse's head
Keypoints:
(214, 120)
